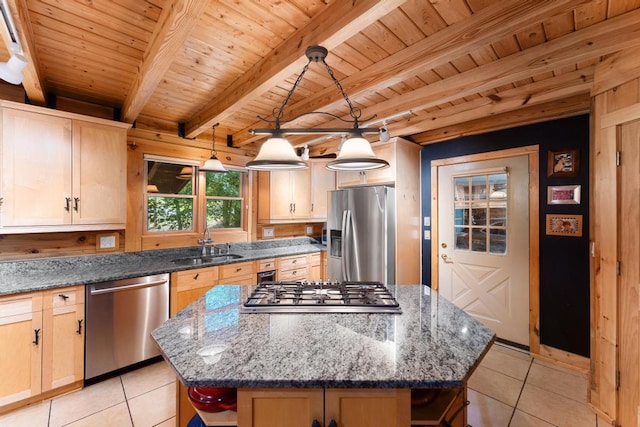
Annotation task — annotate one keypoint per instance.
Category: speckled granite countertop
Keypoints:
(27, 276)
(432, 344)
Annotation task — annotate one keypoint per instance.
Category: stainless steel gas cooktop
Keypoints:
(321, 297)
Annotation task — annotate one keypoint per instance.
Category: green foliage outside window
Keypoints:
(224, 199)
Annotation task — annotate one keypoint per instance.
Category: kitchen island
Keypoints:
(431, 345)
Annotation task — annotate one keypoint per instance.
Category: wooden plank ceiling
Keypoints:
(454, 67)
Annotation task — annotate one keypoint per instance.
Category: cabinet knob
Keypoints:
(238, 269)
(75, 203)
(67, 205)
(63, 296)
(196, 276)
(79, 331)
(37, 335)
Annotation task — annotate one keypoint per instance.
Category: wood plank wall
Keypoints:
(615, 310)
(44, 245)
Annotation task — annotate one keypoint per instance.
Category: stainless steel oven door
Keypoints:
(266, 276)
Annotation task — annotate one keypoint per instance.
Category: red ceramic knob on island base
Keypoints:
(213, 399)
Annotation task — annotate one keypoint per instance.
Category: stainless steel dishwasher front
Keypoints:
(120, 316)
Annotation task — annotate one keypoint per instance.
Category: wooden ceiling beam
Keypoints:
(567, 107)
(494, 22)
(553, 89)
(177, 20)
(33, 82)
(335, 24)
(592, 42)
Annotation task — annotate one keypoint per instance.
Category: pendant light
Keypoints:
(213, 164)
(277, 152)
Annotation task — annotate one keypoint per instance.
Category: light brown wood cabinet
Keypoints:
(63, 337)
(301, 407)
(60, 171)
(290, 196)
(292, 268)
(315, 267)
(45, 332)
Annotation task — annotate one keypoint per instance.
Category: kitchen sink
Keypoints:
(207, 259)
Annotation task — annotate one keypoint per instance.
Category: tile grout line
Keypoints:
(50, 408)
(524, 382)
(126, 400)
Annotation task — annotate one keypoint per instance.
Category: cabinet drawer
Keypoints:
(299, 273)
(16, 305)
(289, 263)
(267, 264)
(237, 269)
(197, 278)
(63, 297)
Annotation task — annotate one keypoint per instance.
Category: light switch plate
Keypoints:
(267, 232)
(107, 242)
(427, 234)
(309, 229)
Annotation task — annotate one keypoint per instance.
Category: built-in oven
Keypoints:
(266, 276)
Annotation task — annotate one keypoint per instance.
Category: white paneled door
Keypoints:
(483, 246)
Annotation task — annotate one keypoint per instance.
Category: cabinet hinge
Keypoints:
(618, 158)
(617, 268)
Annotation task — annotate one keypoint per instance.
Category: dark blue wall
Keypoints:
(564, 261)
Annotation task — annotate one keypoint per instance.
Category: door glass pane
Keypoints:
(480, 209)
(462, 238)
(461, 189)
(479, 187)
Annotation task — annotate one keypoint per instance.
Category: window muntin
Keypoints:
(480, 213)
(171, 197)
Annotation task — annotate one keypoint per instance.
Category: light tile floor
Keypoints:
(509, 389)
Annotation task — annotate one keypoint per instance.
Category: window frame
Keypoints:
(202, 189)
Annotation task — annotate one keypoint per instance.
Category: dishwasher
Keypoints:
(119, 318)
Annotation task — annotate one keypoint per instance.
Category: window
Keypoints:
(224, 199)
(178, 198)
(480, 209)
(170, 197)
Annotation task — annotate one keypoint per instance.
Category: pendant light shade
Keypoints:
(276, 154)
(185, 173)
(11, 71)
(356, 154)
(213, 164)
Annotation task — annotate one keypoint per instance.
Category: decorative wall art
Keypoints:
(563, 163)
(564, 225)
(563, 195)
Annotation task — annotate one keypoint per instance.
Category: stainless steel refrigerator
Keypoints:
(361, 234)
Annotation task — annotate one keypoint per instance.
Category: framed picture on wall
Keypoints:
(563, 163)
(564, 225)
(563, 195)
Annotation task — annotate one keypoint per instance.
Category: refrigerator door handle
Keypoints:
(343, 244)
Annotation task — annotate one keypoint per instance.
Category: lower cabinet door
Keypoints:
(21, 343)
(367, 407)
(282, 408)
(63, 338)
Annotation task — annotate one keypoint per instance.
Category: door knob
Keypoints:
(444, 245)
(446, 259)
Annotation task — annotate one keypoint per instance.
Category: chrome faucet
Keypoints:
(206, 240)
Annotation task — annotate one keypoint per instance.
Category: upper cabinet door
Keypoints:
(36, 169)
(99, 173)
(323, 180)
(301, 193)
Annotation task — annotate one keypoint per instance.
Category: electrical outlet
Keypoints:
(107, 242)
(268, 232)
(309, 229)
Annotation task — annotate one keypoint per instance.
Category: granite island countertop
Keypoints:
(432, 344)
(35, 275)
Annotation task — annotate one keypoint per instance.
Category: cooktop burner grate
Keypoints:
(321, 297)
